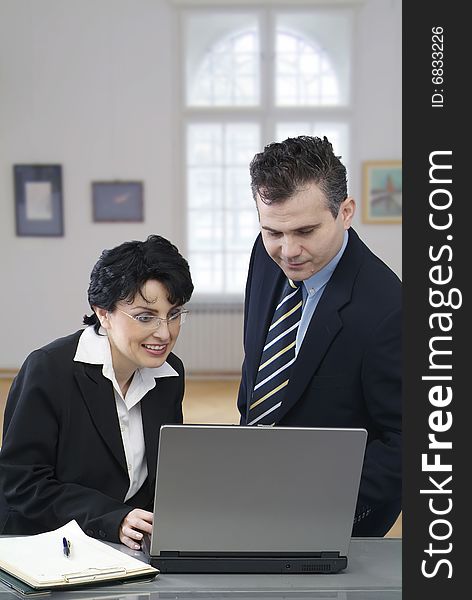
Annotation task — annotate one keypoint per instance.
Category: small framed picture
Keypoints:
(117, 201)
(38, 200)
(382, 191)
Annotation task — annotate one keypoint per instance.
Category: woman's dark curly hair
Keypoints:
(120, 274)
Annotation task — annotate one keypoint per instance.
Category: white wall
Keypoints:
(91, 84)
(377, 127)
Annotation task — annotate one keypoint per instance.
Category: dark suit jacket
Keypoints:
(348, 370)
(62, 456)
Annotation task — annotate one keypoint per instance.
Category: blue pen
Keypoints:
(66, 547)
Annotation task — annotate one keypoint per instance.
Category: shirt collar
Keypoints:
(321, 278)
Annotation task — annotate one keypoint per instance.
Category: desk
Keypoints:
(373, 573)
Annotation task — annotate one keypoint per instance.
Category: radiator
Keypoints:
(210, 340)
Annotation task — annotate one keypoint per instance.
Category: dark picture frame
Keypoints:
(117, 201)
(38, 200)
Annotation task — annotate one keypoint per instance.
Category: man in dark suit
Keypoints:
(343, 368)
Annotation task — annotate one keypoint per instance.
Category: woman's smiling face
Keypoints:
(134, 345)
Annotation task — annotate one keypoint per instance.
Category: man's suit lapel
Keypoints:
(97, 393)
(324, 326)
(322, 330)
(264, 295)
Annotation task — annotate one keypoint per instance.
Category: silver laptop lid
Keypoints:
(256, 489)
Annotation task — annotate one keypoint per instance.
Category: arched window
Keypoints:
(228, 74)
(304, 75)
(251, 78)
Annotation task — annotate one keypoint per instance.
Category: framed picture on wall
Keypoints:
(117, 201)
(382, 191)
(38, 200)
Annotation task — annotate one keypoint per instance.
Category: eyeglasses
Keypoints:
(152, 322)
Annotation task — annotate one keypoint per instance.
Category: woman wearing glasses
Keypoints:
(82, 420)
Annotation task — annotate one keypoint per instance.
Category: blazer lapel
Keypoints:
(97, 392)
(264, 295)
(323, 328)
(151, 417)
(325, 324)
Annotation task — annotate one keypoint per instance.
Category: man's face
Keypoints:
(300, 234)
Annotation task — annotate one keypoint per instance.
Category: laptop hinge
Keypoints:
(249, 555)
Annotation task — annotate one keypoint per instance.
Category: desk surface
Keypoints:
(373, 573)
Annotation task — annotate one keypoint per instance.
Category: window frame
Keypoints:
(267, 115)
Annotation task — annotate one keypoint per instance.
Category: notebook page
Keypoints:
(40, 558)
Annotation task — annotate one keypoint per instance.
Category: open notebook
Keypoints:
(39, 561)
(233, 499)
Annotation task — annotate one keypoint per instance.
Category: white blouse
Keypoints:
(95, 349)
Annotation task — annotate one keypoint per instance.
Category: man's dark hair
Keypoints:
(120, 273)
(284, 168)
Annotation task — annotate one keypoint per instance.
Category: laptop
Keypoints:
(238, 499)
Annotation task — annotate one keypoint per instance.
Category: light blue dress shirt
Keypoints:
(313, 289)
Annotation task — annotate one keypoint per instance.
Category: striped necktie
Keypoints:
(278, 355)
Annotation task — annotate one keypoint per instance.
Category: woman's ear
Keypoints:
(102, 315)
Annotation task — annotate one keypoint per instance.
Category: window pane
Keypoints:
(222, 59)
(205, 188)
(310, 62)
(241, 229)
(237, 264)
(222, 218)
(207, 230)
(312, 58)
(241, 140)
(238, 194)
(204, 145)
(207, 272)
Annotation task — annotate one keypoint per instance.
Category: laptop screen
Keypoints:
(238, 490)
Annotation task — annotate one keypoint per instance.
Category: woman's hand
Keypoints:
(133, 526)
